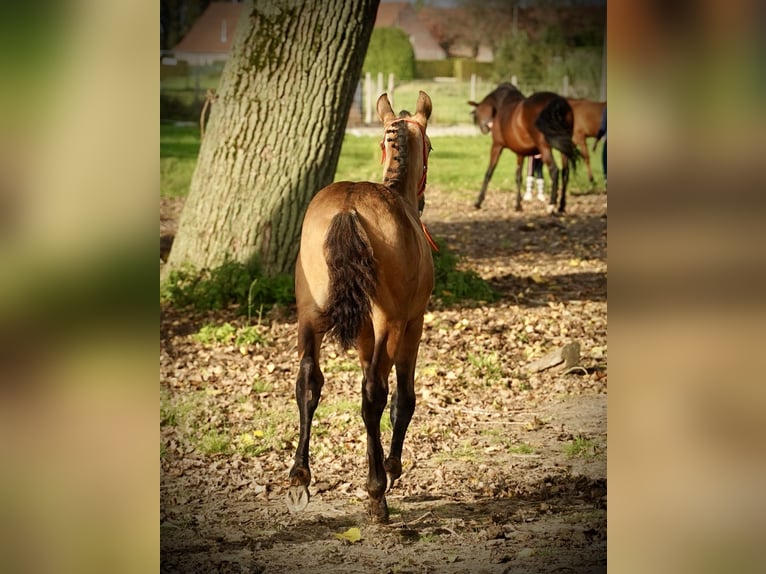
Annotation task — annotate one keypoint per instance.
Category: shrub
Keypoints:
(452, 285)
(245, 287)
(175, 109)
(231, 284)
(390, 51)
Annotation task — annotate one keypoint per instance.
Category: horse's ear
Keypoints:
(385, 111)
(423, 108)
(472, 103)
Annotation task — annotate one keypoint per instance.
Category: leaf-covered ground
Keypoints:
(504, 469)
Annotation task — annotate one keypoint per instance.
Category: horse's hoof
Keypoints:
(297, 498)
(477, 205)
(393, 471)
(378, 510)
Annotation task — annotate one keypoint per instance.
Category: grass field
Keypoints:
(457, 163)
(450, 98)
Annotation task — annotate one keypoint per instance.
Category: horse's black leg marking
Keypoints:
(493, 157)
(564, 182)
(554, 171)
(374, 397)
(519, 164)
(403, 401)
(308, 389)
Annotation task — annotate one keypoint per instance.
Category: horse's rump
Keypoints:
(556, 121)
(353, 276)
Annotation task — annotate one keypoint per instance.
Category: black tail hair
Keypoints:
(556, 121)
(353, 277)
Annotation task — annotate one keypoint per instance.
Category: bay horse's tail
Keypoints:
(556, 121)
(353, 275)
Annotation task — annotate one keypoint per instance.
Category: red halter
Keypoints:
(422, 184)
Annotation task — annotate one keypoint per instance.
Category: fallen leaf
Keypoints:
(351, 535)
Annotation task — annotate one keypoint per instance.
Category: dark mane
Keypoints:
(397, 171)
(507, 90)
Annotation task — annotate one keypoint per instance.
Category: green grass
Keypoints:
(231, 284)
(487, 366)
(457, 164)
(228, 333)
(179, 146)
(580, 447)
(449, 99)
(521, 448)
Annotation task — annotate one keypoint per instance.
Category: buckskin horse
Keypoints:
(587, 119)
(527, 126)
(364, 275)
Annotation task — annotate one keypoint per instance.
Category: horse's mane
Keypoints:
(505, 90)
(397, 170)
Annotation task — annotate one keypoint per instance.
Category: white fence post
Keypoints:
(473, 88)
(391, 89)
(368, 98)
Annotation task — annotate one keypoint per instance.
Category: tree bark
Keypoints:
(275, 132)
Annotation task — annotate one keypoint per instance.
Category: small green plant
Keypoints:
(168, 410)
(486, 366)
(452, 285)
(254, 443)
(230, 284)
(228, 333)
(214, 442)
(260, 386)
(341, 364)
(385, 422)
(580, 446)
(521, 448)
(276, 431)
(465, 451)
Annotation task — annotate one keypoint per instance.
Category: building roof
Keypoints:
(213, 31)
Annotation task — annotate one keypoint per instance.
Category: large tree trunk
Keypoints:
(275, 132)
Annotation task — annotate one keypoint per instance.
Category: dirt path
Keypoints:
(504, 469)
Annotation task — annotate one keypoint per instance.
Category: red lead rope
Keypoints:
(422, 184)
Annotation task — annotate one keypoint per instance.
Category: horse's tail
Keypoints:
(556, 121)
(352, 271)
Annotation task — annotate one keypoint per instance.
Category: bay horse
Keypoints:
(539, 123)
(587, 119)
(364, 275)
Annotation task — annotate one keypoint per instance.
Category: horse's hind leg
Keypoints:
(582, 145)
(564, 182)
(376, 362)
(308, 389)
(554, 171)
(519, 164)
(403, 401)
